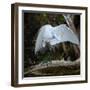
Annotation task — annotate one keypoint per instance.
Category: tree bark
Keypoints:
(69, 21)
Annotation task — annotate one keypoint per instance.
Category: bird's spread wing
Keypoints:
(65, 34)
(54, 35)
(39, 40)
(43, 36)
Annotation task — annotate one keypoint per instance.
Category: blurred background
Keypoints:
(32, 21)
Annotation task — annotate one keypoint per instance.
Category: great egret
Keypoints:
(54, 35)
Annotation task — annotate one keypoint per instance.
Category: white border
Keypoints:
(51, 78)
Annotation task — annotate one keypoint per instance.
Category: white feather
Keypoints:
(54, 35)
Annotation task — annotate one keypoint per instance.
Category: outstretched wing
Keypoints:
(64, 34)
(54, 35)
(39, 40)
(43, 36)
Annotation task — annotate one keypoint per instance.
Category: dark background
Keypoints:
(32, 23)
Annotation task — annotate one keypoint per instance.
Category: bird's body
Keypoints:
(54, 35)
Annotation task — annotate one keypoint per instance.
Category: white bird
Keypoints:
(54, 35)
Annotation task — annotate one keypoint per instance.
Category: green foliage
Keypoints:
(46, 18)
(50, 55)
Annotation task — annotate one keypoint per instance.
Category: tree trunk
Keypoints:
(69, 21)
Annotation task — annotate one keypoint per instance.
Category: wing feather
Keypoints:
(54, 35)
(64, 34)
(43, 36)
